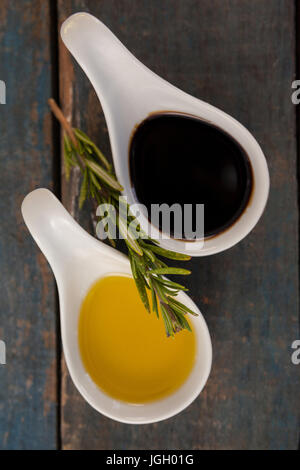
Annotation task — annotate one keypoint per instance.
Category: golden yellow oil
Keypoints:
(125, 349)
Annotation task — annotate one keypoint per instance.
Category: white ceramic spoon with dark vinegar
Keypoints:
(129, 92)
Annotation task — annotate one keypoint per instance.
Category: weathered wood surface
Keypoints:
(239, 56)
(27, 291)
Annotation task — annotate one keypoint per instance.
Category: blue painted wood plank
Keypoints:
(239, 56)
(27, 292)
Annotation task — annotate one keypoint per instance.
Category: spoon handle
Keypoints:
(57, 234)
(111, 68)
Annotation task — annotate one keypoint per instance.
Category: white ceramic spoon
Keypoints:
(78, 260)
(129, 92)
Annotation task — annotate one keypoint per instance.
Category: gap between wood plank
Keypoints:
(297, 111)
(56, 165)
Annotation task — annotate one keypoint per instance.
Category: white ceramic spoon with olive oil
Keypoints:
(129, 93)
(78, 260)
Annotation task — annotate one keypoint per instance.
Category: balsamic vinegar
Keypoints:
(178, 158)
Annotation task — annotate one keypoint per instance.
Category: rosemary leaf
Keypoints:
(127, 237)
(94, 180)
(101, 157)
(67, 167)
(181, 306)
(159, 264)
(67, 154)
(167, 321)
(159, 291)
(140, 261)
(154, 299)
(140, 284)
(80, 147)
(67, 144)
(81, 136)
(132, 264)
(83, 189)
(103, 175)
(182, 320)
(180, 271)
(148, 254)
(173, 285)
(168, 253)
(176, 320)
(170, 291)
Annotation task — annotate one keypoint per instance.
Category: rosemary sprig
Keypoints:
(100, 183)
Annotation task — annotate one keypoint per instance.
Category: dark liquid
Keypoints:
(177, 158)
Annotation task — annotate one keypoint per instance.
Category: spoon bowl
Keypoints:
(78, 260)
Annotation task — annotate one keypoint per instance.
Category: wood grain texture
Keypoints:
(239, 56)
(27, 292)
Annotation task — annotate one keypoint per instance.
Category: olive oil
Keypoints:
(125, 349)
(181, 159)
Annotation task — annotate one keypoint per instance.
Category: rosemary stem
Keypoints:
(67, 128)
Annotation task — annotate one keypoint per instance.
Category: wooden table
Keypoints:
(239, 55)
